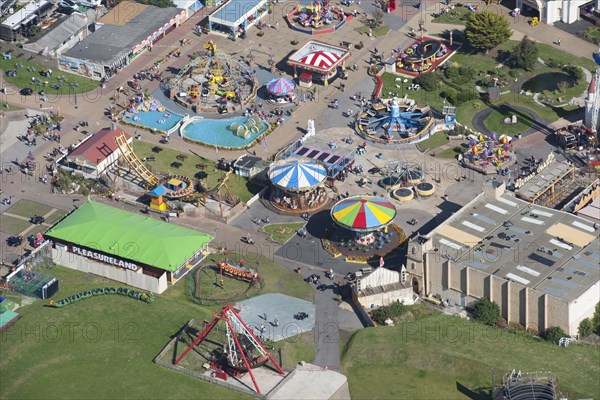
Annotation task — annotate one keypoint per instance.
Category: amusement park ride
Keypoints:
(175, 187)
(242, 352)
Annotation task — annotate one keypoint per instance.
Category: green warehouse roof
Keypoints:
(130, 236)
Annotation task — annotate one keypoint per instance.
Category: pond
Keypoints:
(547, 81)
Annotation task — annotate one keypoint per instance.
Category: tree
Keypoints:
(524, 55)
(486, 312)
(377, 18)
(585, 328)
(553, 334)
(486, 30)
(428, 82)
(596, 320)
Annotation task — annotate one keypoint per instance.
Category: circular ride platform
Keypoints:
(425, 189)
(403, 194)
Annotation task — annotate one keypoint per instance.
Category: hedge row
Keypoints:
(147, 297)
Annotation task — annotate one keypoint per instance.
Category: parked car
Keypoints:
(27, 91)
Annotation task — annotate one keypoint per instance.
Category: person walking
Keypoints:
(558, 41)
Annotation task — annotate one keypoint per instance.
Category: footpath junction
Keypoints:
(126, 247)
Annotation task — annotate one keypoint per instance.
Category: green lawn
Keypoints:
(430, 356)
(13, 226)
(55, 216)
(450, 153)
(79, 351)
(210, 287)
(495, 122)
(381, 30)
(27, 209)
(68, 83)
(281, 233)
(276, 279)
(163, 165)
(99, 348)
(397, 88)
(457, 16)
(437, 140)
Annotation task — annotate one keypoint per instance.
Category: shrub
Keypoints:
(391, 311)
(552, 63)
(428, 82)
(585, 328)
(573, 71)
(460, 74)
(465, 95)
(451, 95)
(553, 334)
(524, 55)
(486, 312)
(596, 318)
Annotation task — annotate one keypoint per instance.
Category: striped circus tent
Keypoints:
(363, 213)
(320, 59)
(297, 175)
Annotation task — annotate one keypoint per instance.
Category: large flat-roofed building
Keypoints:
(122, 34)
(542, 266)
(130, 248)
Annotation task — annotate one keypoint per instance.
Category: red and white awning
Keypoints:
(320, 59)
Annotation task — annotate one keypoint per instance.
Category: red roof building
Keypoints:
(96, 153)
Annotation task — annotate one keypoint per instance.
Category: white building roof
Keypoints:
(25, 14)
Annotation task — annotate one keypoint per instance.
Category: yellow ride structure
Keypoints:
(135, 163)
(211, 47)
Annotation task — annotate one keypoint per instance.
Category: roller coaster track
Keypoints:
(134, 162)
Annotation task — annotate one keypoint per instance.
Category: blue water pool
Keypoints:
(219, 132)
(150, 119)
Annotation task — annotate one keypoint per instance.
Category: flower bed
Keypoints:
(147, 297)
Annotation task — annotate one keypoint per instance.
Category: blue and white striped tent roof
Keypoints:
(297, 174)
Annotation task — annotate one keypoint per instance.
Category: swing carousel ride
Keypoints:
(213, 81)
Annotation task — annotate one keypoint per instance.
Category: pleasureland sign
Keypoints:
(104, 258)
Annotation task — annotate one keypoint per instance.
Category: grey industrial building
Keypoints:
(541, 265)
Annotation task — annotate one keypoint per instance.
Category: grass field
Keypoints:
(67, 83)
(55, 216)
(281, 233)
(430, 356)
(12, 225)
(495, 122)
(276, 279)
(27, 209)
(457, 16)
(381, 30)
(437, 140)
(450, 153)
(99, 348)
(103, 347)
(165, 160)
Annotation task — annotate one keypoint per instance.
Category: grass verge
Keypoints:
(12, 225)
(27, 209)
(437, 140)
(433, 356)
(281, 233)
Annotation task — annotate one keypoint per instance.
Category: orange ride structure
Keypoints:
(241, 273)
(243, 350)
